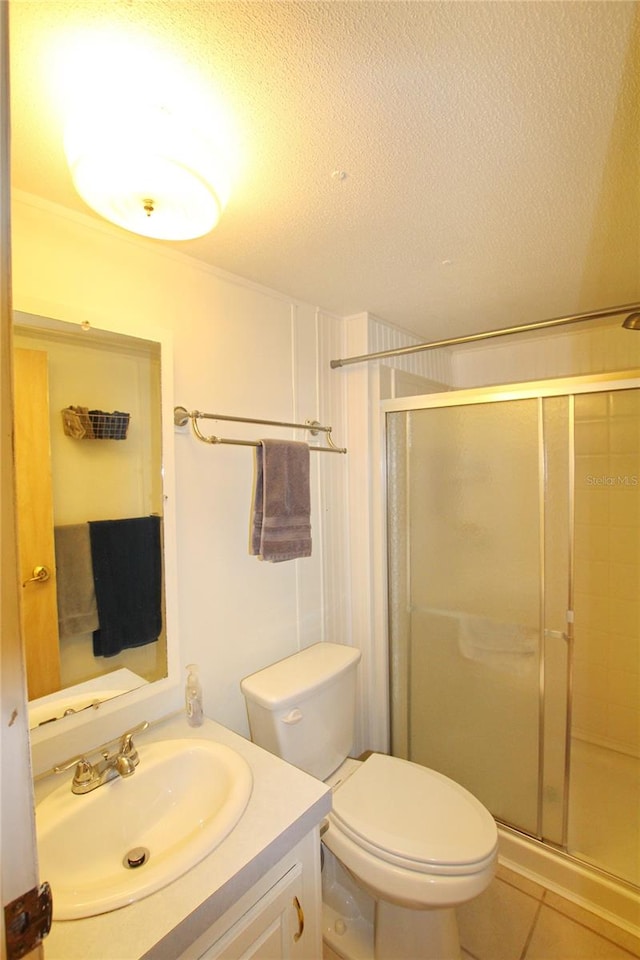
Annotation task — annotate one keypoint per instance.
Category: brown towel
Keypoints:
(77, 608)
(77, 423)
(281, 525)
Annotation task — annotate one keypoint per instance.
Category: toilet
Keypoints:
(417, 842)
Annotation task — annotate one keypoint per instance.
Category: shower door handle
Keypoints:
(557, 635)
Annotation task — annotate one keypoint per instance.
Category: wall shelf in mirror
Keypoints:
(81, 423)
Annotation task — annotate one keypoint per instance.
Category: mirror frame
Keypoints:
(151, 701)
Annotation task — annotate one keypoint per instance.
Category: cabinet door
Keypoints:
(270, 930)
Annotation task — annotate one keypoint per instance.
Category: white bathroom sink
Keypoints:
(183, 799)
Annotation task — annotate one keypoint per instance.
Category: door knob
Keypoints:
(40, 574)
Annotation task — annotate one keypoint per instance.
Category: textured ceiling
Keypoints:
(491, 149)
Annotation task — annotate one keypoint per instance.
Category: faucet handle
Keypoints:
(127, 748)
(71, 762)
(84, 772)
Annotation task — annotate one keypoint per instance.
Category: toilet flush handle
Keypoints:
(294, 716)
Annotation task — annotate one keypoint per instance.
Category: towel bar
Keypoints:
(181, 417)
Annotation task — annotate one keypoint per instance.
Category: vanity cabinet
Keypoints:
(246, 900)
(279, 918)
(271, 929)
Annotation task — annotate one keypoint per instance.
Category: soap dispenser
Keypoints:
(193, 697)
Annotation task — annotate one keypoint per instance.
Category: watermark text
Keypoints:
(611, 480)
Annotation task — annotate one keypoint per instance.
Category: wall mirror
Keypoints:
(93, 529)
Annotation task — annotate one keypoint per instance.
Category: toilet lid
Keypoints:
(408, 814)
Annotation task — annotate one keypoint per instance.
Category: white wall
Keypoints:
(570, 352)
(238, 349)
(366, 385)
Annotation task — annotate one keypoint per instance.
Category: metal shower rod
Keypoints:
(473, 337)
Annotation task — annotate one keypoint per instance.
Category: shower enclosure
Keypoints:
(514, 571)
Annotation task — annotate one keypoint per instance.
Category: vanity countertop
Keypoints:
(285, 805)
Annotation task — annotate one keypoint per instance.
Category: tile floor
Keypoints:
(516, 919)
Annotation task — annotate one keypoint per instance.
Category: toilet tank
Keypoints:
(303, 708)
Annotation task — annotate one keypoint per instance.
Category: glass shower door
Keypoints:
(514, 599)
(604, 793)
(468, 513)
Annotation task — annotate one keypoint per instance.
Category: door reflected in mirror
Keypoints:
(88, 442)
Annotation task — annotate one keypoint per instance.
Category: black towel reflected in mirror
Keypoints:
(127, 571)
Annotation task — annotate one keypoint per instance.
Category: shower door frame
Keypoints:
(567, 387)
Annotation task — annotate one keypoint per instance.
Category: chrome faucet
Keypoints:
(122, 763)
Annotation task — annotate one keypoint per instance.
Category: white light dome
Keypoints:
(144, 169)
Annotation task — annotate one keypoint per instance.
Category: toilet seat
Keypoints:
(414, 818)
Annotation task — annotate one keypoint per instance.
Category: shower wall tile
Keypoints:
(625, 581)
(589, 716)
(593, 406)
(587, 678)
(623, 654)
(592, 617)
(624, 437)
(625, 544)
(623, 686)
(590, 655)
(625, 403)
(624, 506)
(589, 468)
(592, 542)
(592, 577)
(623, 726)
(592, 505)
(623, 467)
(625, 617)
(592, 436)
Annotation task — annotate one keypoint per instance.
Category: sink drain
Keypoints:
(137, 857)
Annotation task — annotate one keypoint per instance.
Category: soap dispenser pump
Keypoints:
(193, 697)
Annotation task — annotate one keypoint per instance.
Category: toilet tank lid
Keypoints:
(291, 679)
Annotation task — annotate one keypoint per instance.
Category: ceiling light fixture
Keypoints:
(146, 170)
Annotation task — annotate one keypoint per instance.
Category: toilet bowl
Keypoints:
(411, 835)
(417, 842)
